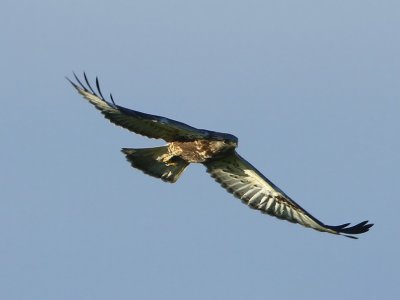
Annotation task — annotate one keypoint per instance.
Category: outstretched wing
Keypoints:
(148, 125)
(245, 182)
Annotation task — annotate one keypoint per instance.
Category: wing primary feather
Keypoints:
(98, 88)
(71, 82)
(88, 84)
(112, 99)
(350, 236)
(356, 229)
(80, 83)
(339, 227)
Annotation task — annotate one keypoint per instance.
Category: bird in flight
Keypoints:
(215, 150)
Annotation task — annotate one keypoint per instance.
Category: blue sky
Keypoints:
(311, 88)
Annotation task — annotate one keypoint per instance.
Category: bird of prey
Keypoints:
(215, 150)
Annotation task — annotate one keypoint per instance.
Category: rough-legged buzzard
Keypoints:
(215, 150)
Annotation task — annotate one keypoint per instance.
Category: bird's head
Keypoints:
(227, 138)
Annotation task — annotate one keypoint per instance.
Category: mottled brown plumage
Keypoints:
(201, 151)
(215, 150)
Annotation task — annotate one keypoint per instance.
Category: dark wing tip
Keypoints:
(79, 85)
(71, 82)
(359, 228)
(98, 88)
(112, 99)
(88, 84)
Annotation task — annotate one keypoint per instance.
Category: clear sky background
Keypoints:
(312, 90)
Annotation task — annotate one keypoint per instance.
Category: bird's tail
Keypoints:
(156, 162)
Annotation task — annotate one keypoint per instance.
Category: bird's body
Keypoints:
(215, 150)
(201, 151)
